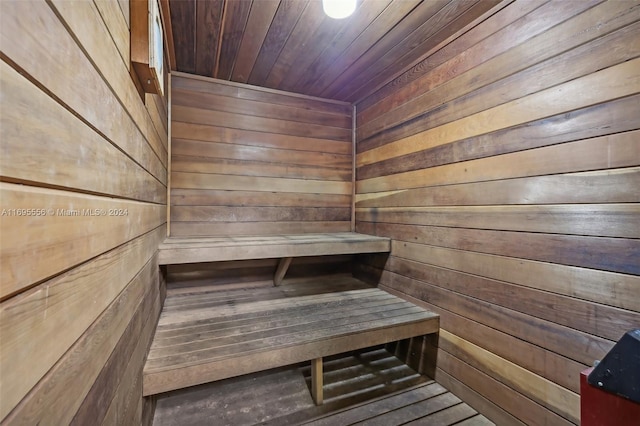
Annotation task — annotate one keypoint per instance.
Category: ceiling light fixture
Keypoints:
(338, 9)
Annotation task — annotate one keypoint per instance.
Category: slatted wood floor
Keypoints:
(368, 387)
(213, 335)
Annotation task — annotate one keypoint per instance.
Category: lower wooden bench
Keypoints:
(201, 339)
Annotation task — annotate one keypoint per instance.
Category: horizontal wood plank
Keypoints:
(210, 133)
(211, 197)
(606, 186)
(31, 347)
(614, 82)
(193, 250)
(30, 117)
(70, 228)
(603, 220)
(615, 151)
(250, 183)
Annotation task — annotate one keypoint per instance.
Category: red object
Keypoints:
(601, 408)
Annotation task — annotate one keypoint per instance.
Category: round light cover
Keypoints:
(338, 9)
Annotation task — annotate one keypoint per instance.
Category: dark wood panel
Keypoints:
(608, 254)
(257, 168)
(465, 72)
(446, 22)
(592, 318)
(446, 160)
(613, 151)
(203, 132)
(493, 24)
(395, 35)
(247, 122)
(203, 197)
(99, 398)
(564, 341)
(287, 17)
(481, 88)
(196, 229)
(389, 18)
(208, 22)
(235, 20)
(608, 220)
(183, 24)
(597, 120)
(369, 10)
(609, 186)
(244, 91)
(258, 109)
(292, 45)
(264, 214)
(302, 47)
(233, 152)
(523, 408)
(197, 149)
(259, 21)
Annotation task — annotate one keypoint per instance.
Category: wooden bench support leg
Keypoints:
(283, 266)
(316, 381)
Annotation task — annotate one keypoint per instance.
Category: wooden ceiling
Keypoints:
(291, 45)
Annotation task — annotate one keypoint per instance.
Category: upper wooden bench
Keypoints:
(176, 250)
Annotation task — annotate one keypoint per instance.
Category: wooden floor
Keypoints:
(369, 387)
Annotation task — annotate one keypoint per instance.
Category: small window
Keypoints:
(147, 45)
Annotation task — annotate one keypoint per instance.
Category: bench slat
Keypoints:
(254, 336)
(216, 249)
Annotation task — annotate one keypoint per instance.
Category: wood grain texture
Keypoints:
(76, 137)
(259, 21)
(194, 362)
(192, 250)
(208, 18)
(62, 393)
(235, 19)
(30, 117)
(578, 124)
(614, 151)
(67, 68)
(466, 161)
(232, 152)
(293, 45)
(612, 83)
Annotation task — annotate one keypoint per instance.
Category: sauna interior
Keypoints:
(434, 202)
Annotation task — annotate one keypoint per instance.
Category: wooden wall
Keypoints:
(506, 169)
(83, 198)
(250, 161)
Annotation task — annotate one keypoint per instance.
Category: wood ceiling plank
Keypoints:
(208, 20)
(364, 16)
(236, 15)
(381, 25)
(328, 33)
(260, 18)
(496, 23)
(183, 23)
(443, 26)
(304, 38)
(283, 24)
(380, 44)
